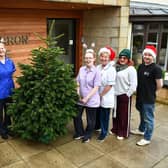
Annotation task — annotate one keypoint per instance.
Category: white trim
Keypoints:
(129, 115)
(104, 50)
(147, 50)
(2, 61)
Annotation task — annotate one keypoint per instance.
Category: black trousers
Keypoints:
(97, 125)
(5, 120)
(91, 119)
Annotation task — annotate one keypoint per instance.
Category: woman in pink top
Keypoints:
(88, 81)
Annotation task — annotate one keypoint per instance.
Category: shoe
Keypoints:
(98, 130)
(111, 133)
(77, 137)
(11, 134)
(120, 138)
(85, 140)
(143, 142)
(4, 136)
(101, 138)
(137, 132)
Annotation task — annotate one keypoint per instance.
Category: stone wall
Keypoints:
(108, 26)
(102, 27)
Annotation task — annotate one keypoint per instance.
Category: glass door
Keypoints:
(163, 59)
(67, 27)
(137, 43)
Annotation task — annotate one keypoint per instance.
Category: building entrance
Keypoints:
(67, 27)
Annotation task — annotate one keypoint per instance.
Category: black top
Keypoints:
(147, 75)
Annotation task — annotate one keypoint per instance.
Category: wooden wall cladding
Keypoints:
(16, 24)
(20, 23)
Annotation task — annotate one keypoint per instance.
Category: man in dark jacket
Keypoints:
(149, 80)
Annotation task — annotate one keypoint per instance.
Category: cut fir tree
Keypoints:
(45, 101)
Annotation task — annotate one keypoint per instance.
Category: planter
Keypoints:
(162, 95)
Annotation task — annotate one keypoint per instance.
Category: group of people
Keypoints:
(102, 89)
(109, 86)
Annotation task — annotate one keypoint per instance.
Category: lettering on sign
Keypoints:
(15, 39)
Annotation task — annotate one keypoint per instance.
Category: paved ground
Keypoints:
(112, 153)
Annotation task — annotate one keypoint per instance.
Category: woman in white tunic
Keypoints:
(106, 90)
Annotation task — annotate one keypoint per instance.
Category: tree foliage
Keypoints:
(46, 100)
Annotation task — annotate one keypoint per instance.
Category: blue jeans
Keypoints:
(104, 121)
(146, 120)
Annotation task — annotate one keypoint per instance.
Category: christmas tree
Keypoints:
(45, 101)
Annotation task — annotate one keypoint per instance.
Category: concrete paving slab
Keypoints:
(63, 139)
(158, 148)
(162, 113)
(20, 164)
(7, 155)
(162, 131)
(110, 144)
(133, 156)
(162, 164)
(66, 152)
(49, 159)
(28, 148)
(79, 153)
(104, 162)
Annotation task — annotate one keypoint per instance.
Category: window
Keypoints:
(138, 40)
(150, 33)
(163, 54)
(153, 26)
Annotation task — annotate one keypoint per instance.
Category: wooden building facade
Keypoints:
(79, 21)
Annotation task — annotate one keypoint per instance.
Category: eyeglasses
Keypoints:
(123, 57)
(86, 58)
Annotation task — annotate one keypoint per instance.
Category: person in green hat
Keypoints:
(126, 83)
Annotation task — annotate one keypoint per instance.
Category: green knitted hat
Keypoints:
(125, 52)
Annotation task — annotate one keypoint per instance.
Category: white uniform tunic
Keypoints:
(108, 76)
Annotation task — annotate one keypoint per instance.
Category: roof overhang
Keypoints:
(49, 4)
(148, 11)
(140, 18)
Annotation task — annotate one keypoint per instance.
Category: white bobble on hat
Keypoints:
(104, 49)
(150, 49)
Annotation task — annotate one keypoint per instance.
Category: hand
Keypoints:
(84, 100)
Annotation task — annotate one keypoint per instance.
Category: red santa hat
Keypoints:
(112, 53)
(108, 50)
(150, 49)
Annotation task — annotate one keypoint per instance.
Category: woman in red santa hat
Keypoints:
(106, 90)
(149, 80)
(111, 61)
